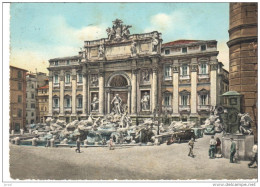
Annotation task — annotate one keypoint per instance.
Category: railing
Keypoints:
(184, 77)
(203, 76)
(56, 84)
(79, 108)
(167, 108)
(167, 78)
(66, 108)
(204, 107)
(184, 107)
(56, 109)
(67, 83)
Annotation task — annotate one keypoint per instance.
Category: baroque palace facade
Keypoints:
(140, 75)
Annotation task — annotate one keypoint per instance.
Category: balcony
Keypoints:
(204, 107)
(184, 77)
(167, 78)
(56, 84)
(167, 108)
(79, 108)
(56, 109)
(79, 83)
(67, 108)
(203, 76)
(67, 83)
(184, 108)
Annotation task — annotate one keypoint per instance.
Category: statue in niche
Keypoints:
(117, 104)
(145, 75)
(155, 42)
(101, 51)
(94, 103)
(145, 102)
(133, 48)
(94, 80)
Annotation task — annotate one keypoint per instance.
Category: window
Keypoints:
(45, 108)
(19, 74)
(203, 68)
(19, 112)
(32, 105)
(167, 72)
(19, 86)
(32, 121)
(167, 51)
(80, 102)
(167, 100)
(42, 108)
(32, 96)
(56, 63)
(56, 102)
(184, 100)
(19, 98)
(32, 114)
(67, 102)
(184, 70)
(68, 62)
(32, 86)
(67, 78)
(203, 99)
(80, 77)
(184, 50)
(203, 48)
(56, 79)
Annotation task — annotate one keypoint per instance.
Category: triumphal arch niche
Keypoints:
(122, 72)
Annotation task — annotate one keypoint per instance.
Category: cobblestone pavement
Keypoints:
(134, 163)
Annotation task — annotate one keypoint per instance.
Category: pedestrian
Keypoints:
(48, 144)
(232, 150)
(212, 147)
(254, 156)
(191, 145)
(110, 145)
(218, 148)
(78, 145)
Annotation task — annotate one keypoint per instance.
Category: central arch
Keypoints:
(118, 83)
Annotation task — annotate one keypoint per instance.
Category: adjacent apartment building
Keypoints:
(17, 98)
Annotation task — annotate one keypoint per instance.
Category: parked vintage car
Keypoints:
(210, 130)
(198, 132)
(184, 135)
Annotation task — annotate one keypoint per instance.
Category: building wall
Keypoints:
(243, 55)
(31, 93)
(42, 104)
(17, 122)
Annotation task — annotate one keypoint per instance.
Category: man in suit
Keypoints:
(232, 150)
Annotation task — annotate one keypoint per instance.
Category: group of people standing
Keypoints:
(214, 148)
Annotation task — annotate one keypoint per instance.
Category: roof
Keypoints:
(231, 93)
(18, 68)
(66, 58)
(43, 87)
(182, 42)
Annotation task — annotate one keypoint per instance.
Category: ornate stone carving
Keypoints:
(62, 77)
(94, 80)
(194, 67)
(133, 49)
(101, 51)
(213, 67)
(175, 69)
(73, 77)
(117, 104)
(118, 31)
(94, 103)
(155, 42)
(145, 75)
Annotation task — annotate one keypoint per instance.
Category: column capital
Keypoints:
(73, 77)
(101, 73)
(155, 69)
(213, 67)
(194, 67)
(135, 71)
(175, 68)
(61, 77)
(50, 78)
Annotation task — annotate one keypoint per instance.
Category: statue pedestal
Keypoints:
(244, 144)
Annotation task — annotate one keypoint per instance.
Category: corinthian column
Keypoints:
(61, 93)
(175, 82)
(74, 88)
(50, 94)
(194, 68)
(154, 89)
(101, 92)
(213, 84)
(133, 103)
(84, 97)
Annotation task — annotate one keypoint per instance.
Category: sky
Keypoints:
(41, 31)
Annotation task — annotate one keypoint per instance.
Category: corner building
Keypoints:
(180, 78)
